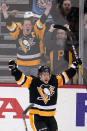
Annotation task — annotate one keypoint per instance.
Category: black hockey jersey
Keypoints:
(43, 96)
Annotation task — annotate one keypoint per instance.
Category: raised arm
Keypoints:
(68, 74)
(48, 38)
(13, 28)
(48, 8)
(40, 23)
(4, 8)
(21, 79)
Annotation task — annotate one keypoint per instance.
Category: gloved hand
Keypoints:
(77, 62)
(14, 69)
(12, 65)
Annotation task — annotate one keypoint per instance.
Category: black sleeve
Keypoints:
(9, 20)
(16, 73)
(71, 72)
(43, 18)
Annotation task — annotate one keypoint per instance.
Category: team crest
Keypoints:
(46, 91)
(26, 44)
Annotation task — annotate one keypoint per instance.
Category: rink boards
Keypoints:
(71, 111)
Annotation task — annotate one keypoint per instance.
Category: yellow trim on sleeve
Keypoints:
(66, 76)
(60, 80)
(15, 33)
(27, 82)
(12, 26)
(39, 32)
(39, 22)
(22, 76)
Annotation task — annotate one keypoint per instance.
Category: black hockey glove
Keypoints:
(77, 62)
(14, 70)
(12, 66)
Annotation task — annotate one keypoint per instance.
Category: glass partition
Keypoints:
(67, 19)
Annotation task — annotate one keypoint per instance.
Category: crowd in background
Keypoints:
(85, 42)
(55, 46)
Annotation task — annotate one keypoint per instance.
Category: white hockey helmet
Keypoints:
(28, 14)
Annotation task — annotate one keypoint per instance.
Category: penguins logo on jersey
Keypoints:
(26, 44)
(45, 91)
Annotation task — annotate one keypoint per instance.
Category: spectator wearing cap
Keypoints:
(55, 41)
(28, 35)
(59, 52)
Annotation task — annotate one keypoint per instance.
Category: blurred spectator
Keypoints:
(59, 53)
(39, 6)
(85, 6)
(85, 29)
(29, 36)
(85, 49)
(55, 41)
(63, 13)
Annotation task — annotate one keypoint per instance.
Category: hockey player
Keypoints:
(43, 93)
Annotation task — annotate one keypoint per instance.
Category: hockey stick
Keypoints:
(79, 66)
(73, 48)
(24, 114)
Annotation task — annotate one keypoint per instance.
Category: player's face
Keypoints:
(45, 77)
(66, 6)
(27, 27)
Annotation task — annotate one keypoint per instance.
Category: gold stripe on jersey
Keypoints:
(70, 58)
(39, 24)
(22, 78)
(28, 63)
(40, 34)
(51, 60)
(42, 50)
(16, 32)
(25, 83)
(31, 117)
(42, 113)
(60, 80)
(65, 77)
(12, 27)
